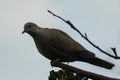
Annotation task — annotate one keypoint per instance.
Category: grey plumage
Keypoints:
(54, 44)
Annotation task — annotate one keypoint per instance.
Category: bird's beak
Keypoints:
(23, 32)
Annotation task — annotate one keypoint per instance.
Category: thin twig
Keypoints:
(115, 56)
(114, 51)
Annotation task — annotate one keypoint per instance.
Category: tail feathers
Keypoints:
(99, 62)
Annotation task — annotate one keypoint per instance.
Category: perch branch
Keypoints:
(81, 72)
(115, 56)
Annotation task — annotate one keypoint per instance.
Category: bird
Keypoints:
(56, 44)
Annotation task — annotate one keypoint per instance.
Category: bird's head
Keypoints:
(30, 27)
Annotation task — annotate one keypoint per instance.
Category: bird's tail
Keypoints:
(99, 62)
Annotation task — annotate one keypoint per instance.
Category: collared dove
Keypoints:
(56, 44)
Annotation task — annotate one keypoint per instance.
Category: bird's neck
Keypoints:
(35, 37)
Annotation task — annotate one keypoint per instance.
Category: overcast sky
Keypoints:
(19, 58)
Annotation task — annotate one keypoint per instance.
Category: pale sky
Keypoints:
(19, 58)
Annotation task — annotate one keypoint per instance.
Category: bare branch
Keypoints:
(115, 56)
(81, 72)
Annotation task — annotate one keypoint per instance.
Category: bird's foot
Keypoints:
(54, 62)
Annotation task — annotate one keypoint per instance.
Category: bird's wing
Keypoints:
(63, 42)
(63, 45)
